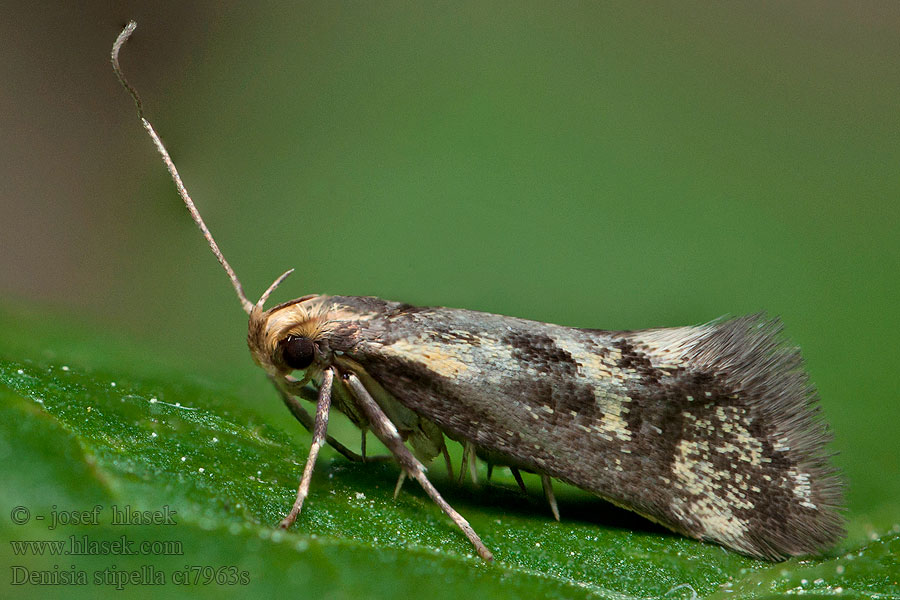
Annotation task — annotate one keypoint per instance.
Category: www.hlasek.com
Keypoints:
(84, 545)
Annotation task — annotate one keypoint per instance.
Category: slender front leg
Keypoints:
(319, 427)
(307, 421)
(387, 433)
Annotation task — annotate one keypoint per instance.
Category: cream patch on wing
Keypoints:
(710, 494)
(444, 359)
(601, 372)
(613, 424)
(592, 366)
(732, 420)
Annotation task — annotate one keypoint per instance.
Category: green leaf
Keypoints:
(87, 421)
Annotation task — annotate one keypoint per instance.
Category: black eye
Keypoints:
(298, 352)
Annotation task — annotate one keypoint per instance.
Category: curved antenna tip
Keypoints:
(271, 288)
(173, 172)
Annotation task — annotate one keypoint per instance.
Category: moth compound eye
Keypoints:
(298, 352)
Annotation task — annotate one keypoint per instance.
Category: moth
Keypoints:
(713, 431)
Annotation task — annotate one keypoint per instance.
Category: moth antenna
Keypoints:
(272, 287)
(173, 172)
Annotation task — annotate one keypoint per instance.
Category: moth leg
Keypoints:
(490, 471)
(548, 492)
(462, 463)
(362, 443)
(473, 468)
(319, 428)
(387, 433)
(518, 477)
(468, 458)
(399, 485)
(447, 461)
(307, 421)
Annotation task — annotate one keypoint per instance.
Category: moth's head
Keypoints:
(300, 335)
(290, 337)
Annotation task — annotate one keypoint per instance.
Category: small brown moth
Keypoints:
(713, 431)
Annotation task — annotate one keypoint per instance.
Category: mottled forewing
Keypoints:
(709, 430)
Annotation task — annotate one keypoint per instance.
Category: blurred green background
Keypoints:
(605, 165)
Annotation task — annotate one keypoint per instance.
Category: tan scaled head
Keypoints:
(283, 338)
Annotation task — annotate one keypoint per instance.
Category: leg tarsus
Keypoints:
(387, 433)
(399, 485)
(319, 428)
(473, 466)
(468, 459)
(548, 492)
